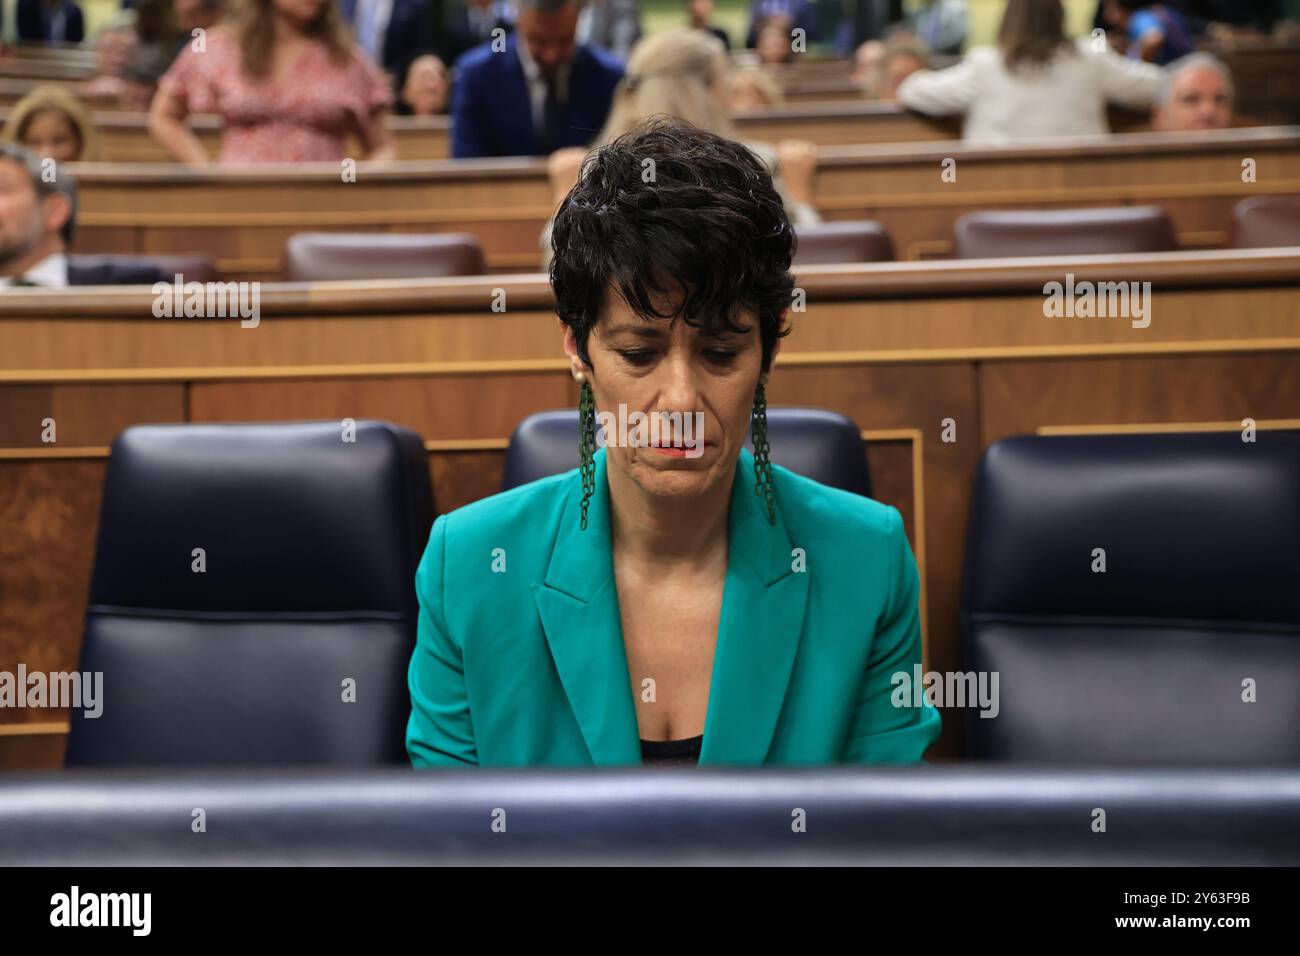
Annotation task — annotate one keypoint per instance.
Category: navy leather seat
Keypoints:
(1148, 661)
(812, 442)
(309, 549)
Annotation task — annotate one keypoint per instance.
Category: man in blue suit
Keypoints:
(392, 32)
(533, 91)
(50, 21)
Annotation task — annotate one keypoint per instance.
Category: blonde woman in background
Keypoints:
(53, 124)
(685, 73)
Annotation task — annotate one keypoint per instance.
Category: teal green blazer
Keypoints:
(519, 658)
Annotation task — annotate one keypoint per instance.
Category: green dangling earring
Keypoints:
(762, 450)
(586, 442)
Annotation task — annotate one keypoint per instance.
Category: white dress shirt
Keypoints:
(1065, 97)
(372, 18)
(51, 272)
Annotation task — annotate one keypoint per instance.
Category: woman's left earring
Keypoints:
(586, 442)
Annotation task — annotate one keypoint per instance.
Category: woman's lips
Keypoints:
(680, 451)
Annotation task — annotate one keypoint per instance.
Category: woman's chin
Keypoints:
(678, 478)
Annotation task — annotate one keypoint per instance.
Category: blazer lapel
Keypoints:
(763, 606)
(578, 605)
(762, 615)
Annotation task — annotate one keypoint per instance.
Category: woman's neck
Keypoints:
(288, 29)
(665, 530)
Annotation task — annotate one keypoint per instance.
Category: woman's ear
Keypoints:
(577, 365)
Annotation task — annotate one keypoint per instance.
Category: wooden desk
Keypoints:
(243, 217)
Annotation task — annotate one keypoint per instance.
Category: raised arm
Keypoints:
(940, 92)
(167, 125)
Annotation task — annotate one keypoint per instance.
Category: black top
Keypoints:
(685, 751)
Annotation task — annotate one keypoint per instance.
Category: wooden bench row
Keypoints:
(242, 217)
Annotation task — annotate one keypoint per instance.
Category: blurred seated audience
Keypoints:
(753, 88)
(53, 124)
(867, 60)
(545, 91)
(391, 32)
(702, 19)
(253, 73)
(191, 15)
(1036, 83)
(472, 23)
(158, 39)
(426, 88)
(613, 25)
(941, 25)
(115, 47)
(900, 62)
(799, 14)
(1197, 94)
(775, 45)
(36, 222)
(683, 73)
(50, 21)
(1154, 32)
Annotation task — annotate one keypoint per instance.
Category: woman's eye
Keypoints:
(637, 356)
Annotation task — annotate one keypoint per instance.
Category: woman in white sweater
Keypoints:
(1037, 83)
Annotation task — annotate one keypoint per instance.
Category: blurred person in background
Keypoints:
(191, 15)
(541, 91)
(753, 88)
(1154, 32)
(37, 217)
(798, 14)
(941, 25)
(775, 45)
(426, 88)
(391, 33)
(613, 25)
(50, 21)
(52, 123)
(900, 62)
(1037, 82)
(115, 47)
(158, 38)
(1197, 95)
(684, 73)
(867, 59)
(472, 24)
(289, 83)
(701, 13)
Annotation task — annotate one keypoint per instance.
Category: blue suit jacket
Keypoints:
(33, 22)
(409, 33)
(491, 114)
(520, 660)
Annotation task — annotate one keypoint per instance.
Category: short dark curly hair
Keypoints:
(708, 225)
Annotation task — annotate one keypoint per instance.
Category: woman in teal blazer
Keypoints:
(567, 621)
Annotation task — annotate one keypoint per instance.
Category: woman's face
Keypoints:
(427, 87)
(656, 367)
(50, 135)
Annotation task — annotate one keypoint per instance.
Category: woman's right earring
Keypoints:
(587, 446)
